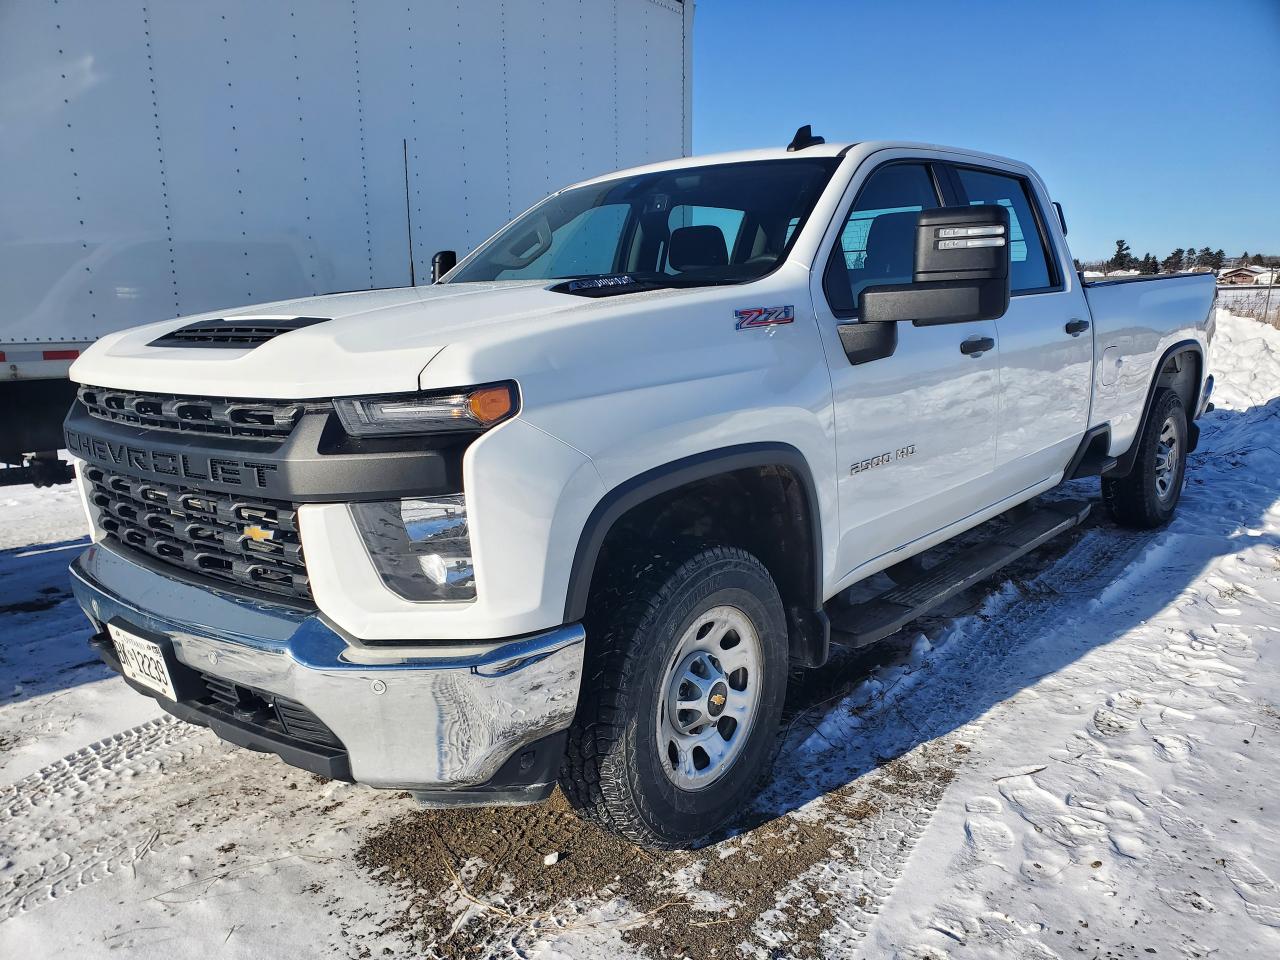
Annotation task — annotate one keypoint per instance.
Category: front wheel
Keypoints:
(678, 716)
(1147, 497)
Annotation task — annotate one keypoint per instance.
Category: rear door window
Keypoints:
(1029, 264)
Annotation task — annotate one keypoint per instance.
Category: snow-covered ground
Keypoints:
(1077, 761)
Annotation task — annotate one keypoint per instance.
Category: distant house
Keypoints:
(1241, 275)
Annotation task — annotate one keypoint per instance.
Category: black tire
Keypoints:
(1148, 496)
(613, 773)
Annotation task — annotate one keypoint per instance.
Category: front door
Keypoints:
(915, 428)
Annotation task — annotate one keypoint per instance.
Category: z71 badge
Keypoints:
(764, 316)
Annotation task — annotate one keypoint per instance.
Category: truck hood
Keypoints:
(365, 342)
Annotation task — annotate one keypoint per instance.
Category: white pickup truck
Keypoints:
(572, 512)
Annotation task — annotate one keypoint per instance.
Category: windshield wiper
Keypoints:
(613, 284)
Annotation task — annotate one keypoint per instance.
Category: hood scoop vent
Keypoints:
(237, 333)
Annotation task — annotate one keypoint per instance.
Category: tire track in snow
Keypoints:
(69, 800)
(920, 714)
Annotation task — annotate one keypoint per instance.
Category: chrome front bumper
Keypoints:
(428, 719)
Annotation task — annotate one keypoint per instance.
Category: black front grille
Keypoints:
(268, 710)
(236, 332)
(250, 542)
(230, 417)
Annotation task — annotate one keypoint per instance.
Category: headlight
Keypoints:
(467, 408)
(421, 547)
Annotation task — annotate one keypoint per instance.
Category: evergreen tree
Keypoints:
(1076, 262)
(1256, 260)
(1173, 262)
(1150, 265)
(1217, 259)
(1204, 258)
(1122, 258)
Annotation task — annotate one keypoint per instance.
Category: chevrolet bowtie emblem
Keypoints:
(258, 534)
(718, 699)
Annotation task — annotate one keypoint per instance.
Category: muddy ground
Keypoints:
(774, 883)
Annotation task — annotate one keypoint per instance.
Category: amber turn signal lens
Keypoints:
(491, 404)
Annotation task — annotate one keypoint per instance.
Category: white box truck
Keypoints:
(162, 160)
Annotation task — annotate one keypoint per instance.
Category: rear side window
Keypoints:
(878, 241)
(1029, 265)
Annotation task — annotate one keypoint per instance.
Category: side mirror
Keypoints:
(442, 263)
(961, 270)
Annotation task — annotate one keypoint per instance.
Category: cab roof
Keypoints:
(781, 153)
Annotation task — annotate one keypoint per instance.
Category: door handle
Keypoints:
(977, 346)
(1077, 327)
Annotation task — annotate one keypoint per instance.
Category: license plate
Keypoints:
(142, 660)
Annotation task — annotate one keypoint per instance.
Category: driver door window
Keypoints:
(878, 241)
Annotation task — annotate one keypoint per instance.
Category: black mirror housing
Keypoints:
(961, 270)
(442, 263)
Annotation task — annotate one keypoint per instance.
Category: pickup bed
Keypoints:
(572, 512)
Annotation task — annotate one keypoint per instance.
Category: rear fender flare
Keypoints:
(1125, 461)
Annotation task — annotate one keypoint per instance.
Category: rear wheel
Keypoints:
(678, 716)
(1148, 496)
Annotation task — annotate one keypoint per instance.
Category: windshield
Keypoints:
(698, 226)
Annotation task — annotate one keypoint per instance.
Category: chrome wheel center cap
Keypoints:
(699, 692)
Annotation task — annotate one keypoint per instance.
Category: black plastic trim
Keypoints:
(232, 333)
(1144, 278)
(1091, 456)
(670, 476)
(1124, 462)
(212, 584)
(865, 341)
(528, 776)
(317, 463)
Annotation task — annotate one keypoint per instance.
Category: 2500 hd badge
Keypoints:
(900, 454)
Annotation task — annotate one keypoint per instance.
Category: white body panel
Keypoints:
(1134, 324)
(162, 160)
(616, 386)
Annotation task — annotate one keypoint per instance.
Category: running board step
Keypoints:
(889, 612)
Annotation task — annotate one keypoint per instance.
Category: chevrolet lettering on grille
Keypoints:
(183, 466)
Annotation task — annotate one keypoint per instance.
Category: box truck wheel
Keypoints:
(677, 721)
(1147, 497)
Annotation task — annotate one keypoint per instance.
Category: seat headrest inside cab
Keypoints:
(700, 246)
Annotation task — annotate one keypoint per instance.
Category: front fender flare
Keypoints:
(670, 476)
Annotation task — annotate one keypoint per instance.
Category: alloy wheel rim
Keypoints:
(1166, 459)
(709, 698)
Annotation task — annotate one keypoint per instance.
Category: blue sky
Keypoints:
(1153, 120)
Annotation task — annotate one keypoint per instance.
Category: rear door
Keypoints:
(915, 420)
(1046, 344)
